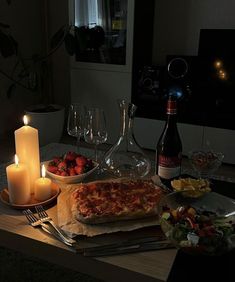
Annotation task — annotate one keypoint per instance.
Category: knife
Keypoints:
(128, 242)
(131, 245)
(141, 247)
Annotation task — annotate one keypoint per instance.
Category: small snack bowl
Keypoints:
(205, 163)
(70, 168)
(193, 187)
(198, 225)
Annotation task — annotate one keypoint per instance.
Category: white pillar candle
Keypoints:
(42, 187)
(18, 183)
(27, 149)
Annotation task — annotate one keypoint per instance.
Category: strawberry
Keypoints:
(70, 156)
(64, 173)
(52, 168)
(72, 171)
(62, 166)
(79, 169)
(81, 161)
(56, 160)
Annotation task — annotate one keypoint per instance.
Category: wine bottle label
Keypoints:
(171, 107)
(168, 173)
(169, 167)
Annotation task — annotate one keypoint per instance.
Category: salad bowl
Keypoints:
(204, 225)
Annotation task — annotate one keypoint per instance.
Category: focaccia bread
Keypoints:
(107, 201)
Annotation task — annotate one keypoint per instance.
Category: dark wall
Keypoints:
(25, 20)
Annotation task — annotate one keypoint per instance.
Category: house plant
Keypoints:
(34, 74)
(25, 80)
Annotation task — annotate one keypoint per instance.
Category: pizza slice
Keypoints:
(99, 202)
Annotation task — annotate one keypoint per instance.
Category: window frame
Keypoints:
(129, 44)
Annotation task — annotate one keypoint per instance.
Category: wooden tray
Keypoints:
(4, 197)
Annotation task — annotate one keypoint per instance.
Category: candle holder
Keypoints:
(5, 199)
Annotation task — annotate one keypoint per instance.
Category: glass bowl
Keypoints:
(198, 225)
(205, 163)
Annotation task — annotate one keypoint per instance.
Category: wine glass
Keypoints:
(95, 131)
(75, 123)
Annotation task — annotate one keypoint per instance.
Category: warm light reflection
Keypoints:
(223, 75)
(25, 119)
(43, 171)
(218, 64)
(16, 160)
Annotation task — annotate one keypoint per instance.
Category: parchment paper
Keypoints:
(68, 222)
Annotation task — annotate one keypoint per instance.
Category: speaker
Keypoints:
(150, 83)
(180, 75)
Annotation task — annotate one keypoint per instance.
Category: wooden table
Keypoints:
(16, 234)
(161, 265)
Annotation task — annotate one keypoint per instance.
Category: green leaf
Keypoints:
(70, 44)
(10, 90)
(8, 45)
(58, 37)
(3, 25)
(82, 35)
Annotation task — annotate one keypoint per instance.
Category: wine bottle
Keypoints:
(169, 147)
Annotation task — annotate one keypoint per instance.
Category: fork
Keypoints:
(44, 218)
(32, 219)
(35, 222)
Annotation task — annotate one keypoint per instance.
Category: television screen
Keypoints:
(216, 75)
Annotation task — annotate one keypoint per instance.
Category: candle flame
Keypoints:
(25, 119)
(43, 171)
(16, 160)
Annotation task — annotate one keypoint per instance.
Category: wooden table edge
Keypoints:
(69, 259)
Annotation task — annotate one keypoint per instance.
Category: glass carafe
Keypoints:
(126, 158)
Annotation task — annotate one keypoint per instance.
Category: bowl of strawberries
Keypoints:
(70, 167)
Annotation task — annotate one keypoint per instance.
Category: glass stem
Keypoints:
(96, 156)
(78, 143)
